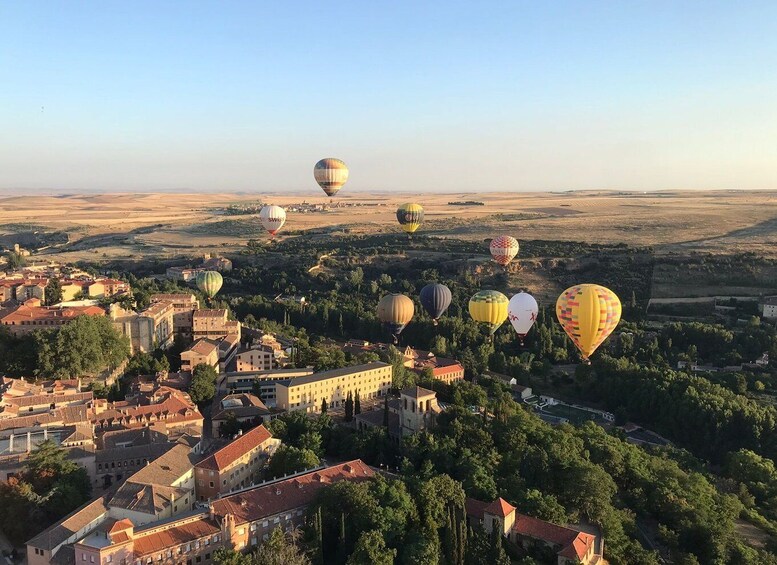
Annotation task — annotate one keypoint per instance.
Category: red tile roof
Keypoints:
(121, 525)
(166, 539)
(500, 507)
(574, 544)
(268, 500)
(234, 450)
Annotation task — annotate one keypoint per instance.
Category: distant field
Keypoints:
(113, 226)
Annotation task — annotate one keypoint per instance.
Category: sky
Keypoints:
(417, 96)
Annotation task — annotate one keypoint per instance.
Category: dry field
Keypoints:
(112, 226)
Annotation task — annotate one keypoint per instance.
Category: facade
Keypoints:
(147, 330)
(308, 393)
(203, 351)
(184, 305)
(213, 324)
(418, 410)
(27, 318)
(572, 547)
(255, 359)
(770, 308)
(236, 465)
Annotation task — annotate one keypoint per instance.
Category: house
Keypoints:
(571, 546)
(184, 305)
(236, 465)
(213, 323)
(769, 308)
(243, 407)
(221, 264)
(413, 412)
(201, 352)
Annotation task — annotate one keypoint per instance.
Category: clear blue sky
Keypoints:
(446, 96)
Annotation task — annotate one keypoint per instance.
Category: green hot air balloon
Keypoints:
(210, 282)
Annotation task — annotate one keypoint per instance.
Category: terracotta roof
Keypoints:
(231, 452)
(416, 391)
(38, 399)
(166, 469)
(146, 498)
(475, 508)
(121, 525)
(268, 500)
(165, 539)
(202, 347)
(28, 313)
(574, 543)
(500, 507)
(210, 313)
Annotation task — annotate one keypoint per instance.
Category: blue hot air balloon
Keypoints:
(435, 298)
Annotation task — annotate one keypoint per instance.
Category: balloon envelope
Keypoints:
(522, 312)
(489, 307)
(410, 215)
(209, 282)
(272, 218)
(330, 174)
(504, 249)
(395, 311)
(588, 313)
(435, 298)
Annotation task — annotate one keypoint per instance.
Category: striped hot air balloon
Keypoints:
(504, 249)
(395, 312)
(489, 307)
(272, 218)
(435, 298)
(588, 313)
(410, 215)
(209, 282)
(331, 174)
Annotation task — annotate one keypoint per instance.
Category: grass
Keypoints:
(574, 415)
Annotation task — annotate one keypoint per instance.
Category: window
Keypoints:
(207, 556)
(212, 485)
(241, 531)
(91, 559)
(199, 559)
(265, 523)
(109, 559)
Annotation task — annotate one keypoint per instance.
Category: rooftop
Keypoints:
(335, 373)
(417, 392)
(70, 525)
(282, 496)
(231, 452)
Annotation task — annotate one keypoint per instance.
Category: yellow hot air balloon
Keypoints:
(331, 174)
(489, 307)
(588, 313)
(410, 215)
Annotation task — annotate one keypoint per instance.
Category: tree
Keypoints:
(371, 550)
(288, 460)
(386, 413)
(324, 406)
(348, 407)
(224, 556)
(53, 292)
(280, 549)
(14, 261)
(357, 405)
(203, 386)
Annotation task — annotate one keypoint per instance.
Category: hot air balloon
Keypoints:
(272, 218)
(435, 298)
(489, 307)
(395, 312)
(588, 313)
(209, 282)
(522, 312)
(504, 249)
(410, 215)
(331, 174)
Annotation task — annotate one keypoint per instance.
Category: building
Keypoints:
(244, 408)
(213, 324)
(255, 359)
(148, 330)
(418, 410)
(519, 392)
(185, 274)
(30, 317)
(93, 535)
(769, 306)
(262, 382)
(14, 406)
(201, 352)
(216, 264)
(442, 368)
(161, 489)
(308, 393)
(570, 545)
(184, 305)
(236, 465)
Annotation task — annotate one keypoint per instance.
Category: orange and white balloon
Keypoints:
(331, 174)
(272, 218)
(504, 249)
